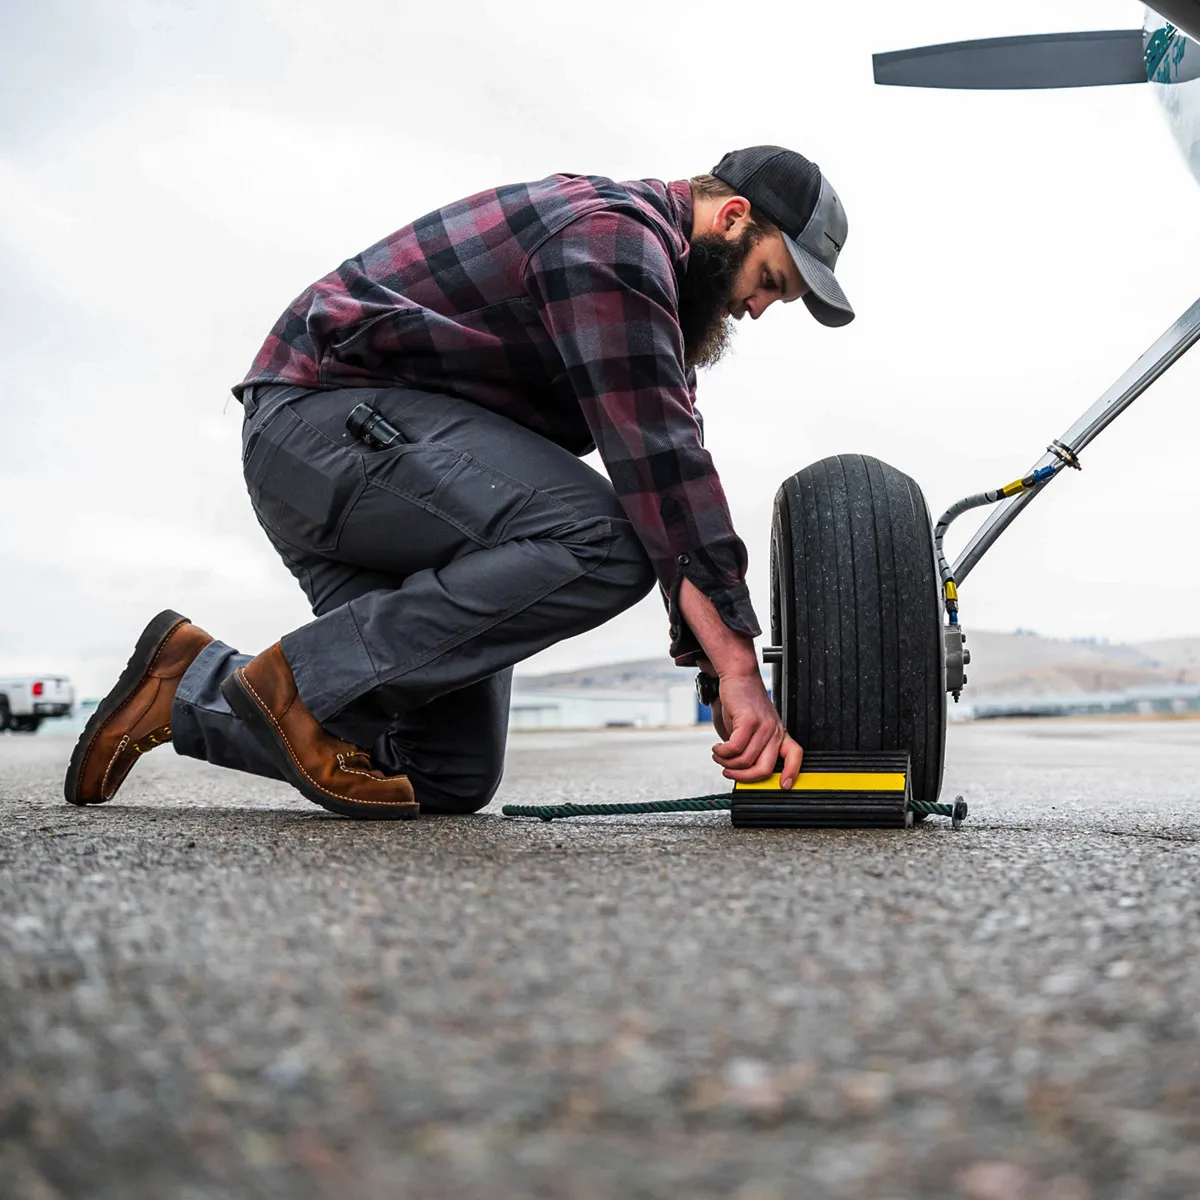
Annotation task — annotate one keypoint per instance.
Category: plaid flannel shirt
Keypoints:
(556, 304)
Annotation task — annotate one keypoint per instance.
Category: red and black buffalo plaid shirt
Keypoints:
(556, 304)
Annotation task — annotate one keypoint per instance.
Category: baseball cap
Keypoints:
(790, 190)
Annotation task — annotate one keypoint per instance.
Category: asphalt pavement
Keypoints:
(210, 988)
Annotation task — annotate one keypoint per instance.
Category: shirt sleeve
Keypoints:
(691, 383)
(605, 290)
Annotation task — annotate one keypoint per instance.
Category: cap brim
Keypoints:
(824, 298)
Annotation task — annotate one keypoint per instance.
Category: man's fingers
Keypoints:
(761, 738)
(719, 723)
(793, 756)
(762, 768)
(758, 761)
(718, 719)
(752, 770)
(737, 741)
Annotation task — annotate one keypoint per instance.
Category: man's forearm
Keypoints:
(730, 653)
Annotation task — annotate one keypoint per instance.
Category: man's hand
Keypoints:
(754, 737)
(718, 718)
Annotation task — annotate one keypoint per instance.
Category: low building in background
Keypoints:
(647, 693)
(598, 708)
(1166, 700)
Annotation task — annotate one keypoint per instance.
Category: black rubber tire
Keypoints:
(5, 715)
(26, 724)
(856, 607)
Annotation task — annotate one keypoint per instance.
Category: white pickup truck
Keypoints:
(26, 700)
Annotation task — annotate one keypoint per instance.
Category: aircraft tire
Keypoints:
(856, 609)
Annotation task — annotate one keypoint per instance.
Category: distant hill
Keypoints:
(1009, 664)
(1174, 653)
(1025, 664)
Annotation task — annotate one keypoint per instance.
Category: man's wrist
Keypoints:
(737, 660)
(731, 653)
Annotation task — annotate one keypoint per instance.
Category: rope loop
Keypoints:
(548, 812)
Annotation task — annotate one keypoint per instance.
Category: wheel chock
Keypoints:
(835, 789)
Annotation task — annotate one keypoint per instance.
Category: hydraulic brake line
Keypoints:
(1035, 479)
(1179, 337)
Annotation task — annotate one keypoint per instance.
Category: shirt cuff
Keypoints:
(732, 602)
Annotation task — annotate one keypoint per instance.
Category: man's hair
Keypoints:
(711, 188)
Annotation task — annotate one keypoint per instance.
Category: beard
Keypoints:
(706, 292)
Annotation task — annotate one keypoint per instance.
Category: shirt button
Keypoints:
(683, 560)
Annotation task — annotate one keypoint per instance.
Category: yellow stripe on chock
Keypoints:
(831, 781)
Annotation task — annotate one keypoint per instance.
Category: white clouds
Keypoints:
(1009, 256)
(25, 212)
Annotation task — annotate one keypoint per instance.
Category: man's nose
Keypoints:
(758, 304)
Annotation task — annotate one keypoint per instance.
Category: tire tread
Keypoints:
(856, 606)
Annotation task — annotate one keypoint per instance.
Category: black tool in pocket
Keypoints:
(371, 427)
(448, 484)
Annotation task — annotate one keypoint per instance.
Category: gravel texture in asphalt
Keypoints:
(210, 988)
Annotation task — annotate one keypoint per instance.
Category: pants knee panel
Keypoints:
(464, 797)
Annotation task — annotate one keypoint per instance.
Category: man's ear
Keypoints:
(731, 214)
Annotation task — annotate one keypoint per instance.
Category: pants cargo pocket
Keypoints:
(456, 487)
(302, 485)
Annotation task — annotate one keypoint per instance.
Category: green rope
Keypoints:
(547, 812)
(713, 803)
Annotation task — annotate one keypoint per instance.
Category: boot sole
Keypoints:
(247, 710)
(140, 661)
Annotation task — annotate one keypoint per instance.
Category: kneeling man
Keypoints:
(500, 338)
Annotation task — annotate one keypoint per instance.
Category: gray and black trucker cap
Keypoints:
(801, 201)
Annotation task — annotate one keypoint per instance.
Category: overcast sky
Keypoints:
(172, 174)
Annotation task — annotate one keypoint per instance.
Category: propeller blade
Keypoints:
(1040, 60)
(1184, 14)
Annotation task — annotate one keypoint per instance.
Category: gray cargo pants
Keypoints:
(431, 567)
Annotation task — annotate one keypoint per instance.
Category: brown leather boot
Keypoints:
(136, 715)
(332, 773)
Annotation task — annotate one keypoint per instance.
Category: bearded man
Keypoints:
(502, 337)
